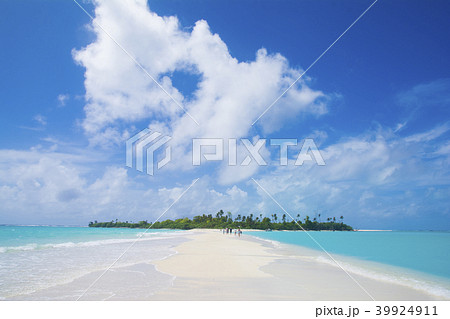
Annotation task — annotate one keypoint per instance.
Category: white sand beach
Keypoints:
(214, 266)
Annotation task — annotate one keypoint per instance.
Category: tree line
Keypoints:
(225, 220)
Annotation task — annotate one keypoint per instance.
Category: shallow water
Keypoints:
(36, 258)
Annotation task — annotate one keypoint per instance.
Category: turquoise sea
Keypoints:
(419, 259)
(34, 258)
(41, 237)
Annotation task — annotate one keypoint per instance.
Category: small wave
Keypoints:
(35, 246)
(274, 243)
(18, 248)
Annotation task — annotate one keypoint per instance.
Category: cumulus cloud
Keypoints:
(230, 94)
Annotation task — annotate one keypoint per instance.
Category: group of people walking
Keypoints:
(237, 232)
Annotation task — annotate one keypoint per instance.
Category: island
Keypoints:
(225, 220)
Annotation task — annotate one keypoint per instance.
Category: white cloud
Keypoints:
(429, 135)
(236, 193)
(229, 174)
(62, 99)
(400, 126)
(40, 123)
(426, 95)
(230, 94)
(40, 119)
(422, 100)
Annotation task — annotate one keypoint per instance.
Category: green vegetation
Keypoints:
(222, 220)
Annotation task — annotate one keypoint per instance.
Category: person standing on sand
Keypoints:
(239, 231)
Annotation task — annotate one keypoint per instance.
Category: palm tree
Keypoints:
(219, 214)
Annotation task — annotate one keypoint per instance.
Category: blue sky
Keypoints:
(376, 104)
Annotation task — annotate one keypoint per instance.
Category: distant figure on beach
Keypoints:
(235, 232)
(231, 230)
(239, 231)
